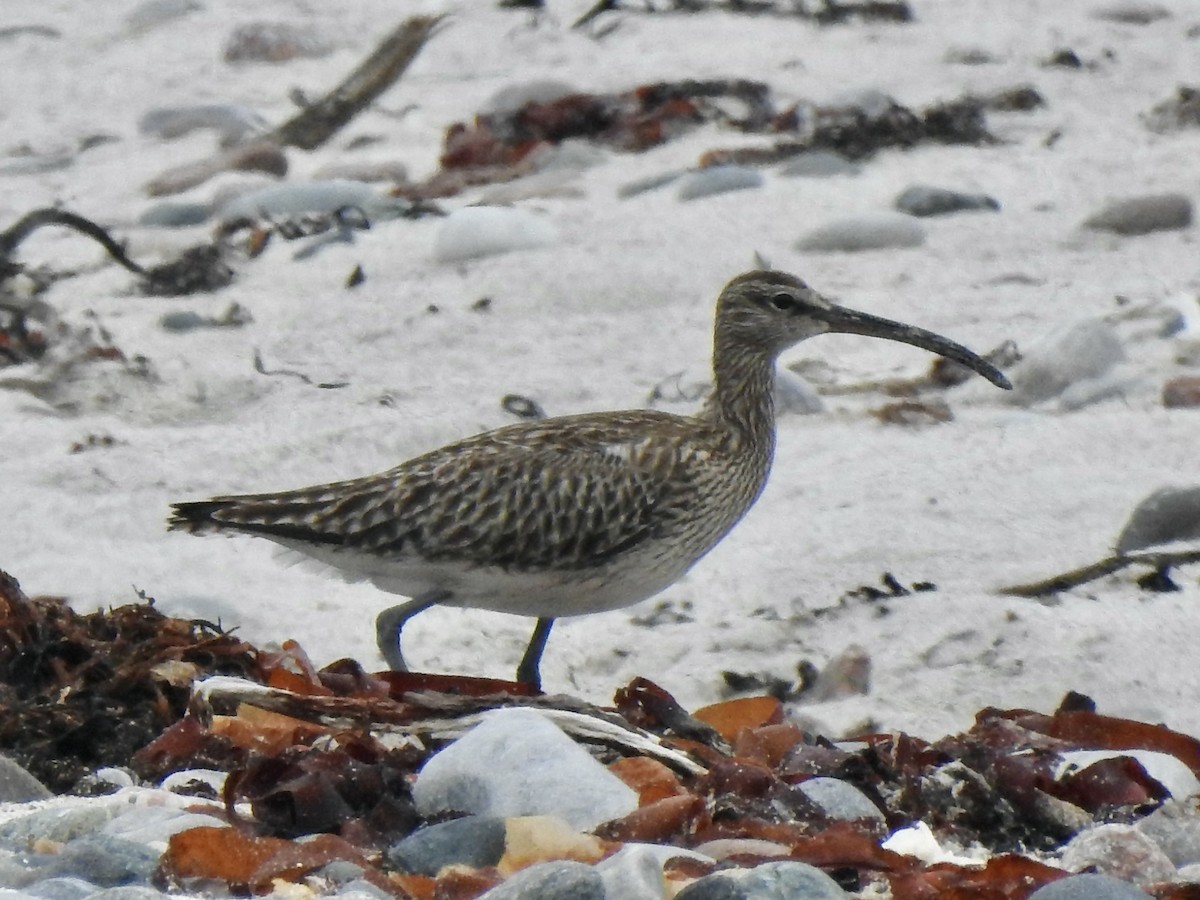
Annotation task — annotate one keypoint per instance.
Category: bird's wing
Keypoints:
(517, 497)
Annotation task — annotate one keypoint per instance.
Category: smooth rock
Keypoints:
(1175, 828)
(275, 42)
(925, 200)
(649, 183)
(62, 889)
(1082, 350)
(718, 886)
(551, 881)
(1142, 215)
(789, 881)
(233, 122)
(56, 824)
(152, 13)
(633, 873)
(840, 799)
(105, 860)
(476, 231)
(718, 180)
(296, 199)
(1176, 113)
(1088, 887)
(516, 762)
(1132, 12)
(1181, 393)
(153, 824)
(819, 164)
(795, 394)
(17, 785)
(174, 215)
(865, 231)
(1090, 391)
(472, 841)
(129, 892)
(1120, 851)
(1168, 515)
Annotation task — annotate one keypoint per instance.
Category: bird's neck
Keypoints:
(743, 398)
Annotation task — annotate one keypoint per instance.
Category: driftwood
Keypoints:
(824, 12)
(12, 237)
(1158, 561)
(319, 121)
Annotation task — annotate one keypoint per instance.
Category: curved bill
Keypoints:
(849, 321)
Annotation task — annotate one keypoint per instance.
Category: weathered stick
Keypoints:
(1076, 577)
(318, 122)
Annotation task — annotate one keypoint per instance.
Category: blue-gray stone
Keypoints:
(17, 785)
(62, 889)
(472, 840)
(234, 123)
(183, 320)
(1088, 887)
(925, 200)
(635, 872)
(361, 889)
(105, 860)
(840, 799)
(789, 881)
(718, 180)
(651, 183)
(129, 892)
(819, 164)
(174, 214)
(865, 231)
(550, 881)
(1142, 215)
(712, 887)
(58, 825)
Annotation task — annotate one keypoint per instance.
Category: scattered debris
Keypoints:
(261, 368)
(356, 277)
(198, 269)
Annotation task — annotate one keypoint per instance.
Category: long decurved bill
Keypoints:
(849, 321)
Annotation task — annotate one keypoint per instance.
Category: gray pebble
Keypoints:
(718, 180)
(174, 215)
(298, 198)
(472, 841)
(1142, 215)
(129, 892)
(712, 887)
(840, 799)
(153, 13)
(58, 825)
(1084, 350)
(17, 785)
(62, 889)
(819, 164)
(183, 320)
(1169, 514)
(1132, 12)
(104, 860)
(1175, 827)
(865, 231)
(645, 185)
(925, 200)
(550, 881)
(1088, 887)
(789, 881)
(1120, 851)
(233, 122)
(635, 872)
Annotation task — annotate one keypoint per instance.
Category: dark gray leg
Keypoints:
(390, 622)
(527, 671)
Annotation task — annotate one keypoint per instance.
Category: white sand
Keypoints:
(1001, 494)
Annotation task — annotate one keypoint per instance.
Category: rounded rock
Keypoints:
(789, 881)
(925, 200)
(718, 180)
(1168, 515)
(1089, 887)
(477, 231)
(17, 785)
(1074, 353)
(865, 231)
(633, 873)
(839, 799)
(819, 164)
(1143, 215)
(551, 881)
(472, 841)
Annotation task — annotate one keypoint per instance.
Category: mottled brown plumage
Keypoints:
(570, 515)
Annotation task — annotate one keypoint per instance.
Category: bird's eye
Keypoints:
(783, 301)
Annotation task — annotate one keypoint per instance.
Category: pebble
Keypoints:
(819, 164)
(1143, 215)
(1132, 12)
(1175, 828)
(718, 180)
(153, 13)
(233, 122)
(17, 785)
(1175, 113)
(275, 42)
(321, 197)
(865, 231)
(1091, 391)
(551, 881)
(839, 799)
(1083, 350)
(1168, 515)
(517, 762)
(1089, 887)
(769, 881)
(472, 840)
(1120, 851)
(174, 215)
(477, 231)
(104, 860)
(795, 394)
(1181, 393)
(633, 873)
(62, 889)
(650, 183)
(926, 200)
